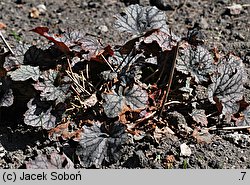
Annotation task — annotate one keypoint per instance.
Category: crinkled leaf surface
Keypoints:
(7, 99)
(16, 60)
(72, 38)
(96, 144)
(199, 116)
(24, 72)
(44, 119)
(237, 63)
(49, 90)
(91, 45)
(138, 20)
(52, 161)
(227, 85)
(115, 103)
(196, 61)
(165, 40)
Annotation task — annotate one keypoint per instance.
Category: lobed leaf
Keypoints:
(113, 104)
(196, 61)
(199, 116)
(42, 119)
(52, 161)
(72, 38)
(48, 90)
(93, 46)
(165, 40)
(116, 103)
(136, 97)
(138, 20)
(16, 60)
(227, 85)
(119, 61)
(25, 72)
(97, 145)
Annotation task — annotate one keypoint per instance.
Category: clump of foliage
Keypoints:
(91, 94)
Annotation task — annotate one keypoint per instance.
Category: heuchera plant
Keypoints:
(91, 93)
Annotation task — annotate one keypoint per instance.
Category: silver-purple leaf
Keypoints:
(165, 40)
(138, 20)
(227, 85)
(119, 61)
(97, 145)
(16, 60)
(52, 161)
(136, 97)
(44, 119)
(92, 45)
(25, 72)
(48, 90)
(196, 61)
(199, 116)
(115, 103)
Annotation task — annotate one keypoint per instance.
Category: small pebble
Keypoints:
(185, 150)
(42, 8)
(103, 29)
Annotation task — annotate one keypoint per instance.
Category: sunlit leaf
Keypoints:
(43, 119)
(227, 85)
(25, 72)
(115, 103)
(51, 161)
(16, 60)
(165, 40)
(98, 144)
(138, 20)
(196, 61)
(48, 90)
(199, 116)
(92, 45)
(7, 99)
(72, 38)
